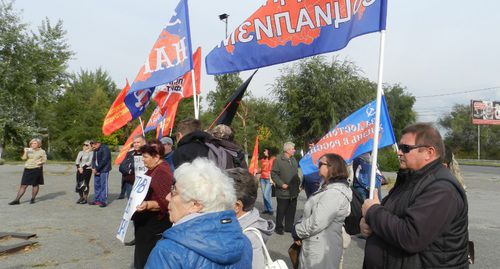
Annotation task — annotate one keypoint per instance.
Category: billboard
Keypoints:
(485, 112)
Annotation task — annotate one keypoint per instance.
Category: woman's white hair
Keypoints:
(202, 181)
(37, 140)
(288, 145)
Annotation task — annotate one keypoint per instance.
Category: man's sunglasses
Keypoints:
(407, 148)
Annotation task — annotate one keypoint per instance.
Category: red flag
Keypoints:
(253, 168)
(118, 115)
(167, 94)
(128, 144)
(168, 121)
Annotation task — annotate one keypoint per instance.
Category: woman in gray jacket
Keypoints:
(83, 172)
(319, 231)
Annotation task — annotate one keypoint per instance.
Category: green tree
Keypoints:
(400, 107)
(32, 70)
(316, 95)
(461, 134)
(80, 111)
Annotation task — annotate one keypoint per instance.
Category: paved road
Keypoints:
(82, 236)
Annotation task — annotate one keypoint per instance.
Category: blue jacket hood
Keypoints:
(216, 236)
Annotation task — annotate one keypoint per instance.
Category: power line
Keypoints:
(455, 93)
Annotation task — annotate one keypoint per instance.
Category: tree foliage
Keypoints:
(461, 135)
(32, 70)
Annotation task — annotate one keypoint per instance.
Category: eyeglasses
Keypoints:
(86, 145)
(173, 191)
(407, 148)
(322, 163)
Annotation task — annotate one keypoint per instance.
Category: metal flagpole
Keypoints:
(195, 97)
(478, 142)
(377, 114)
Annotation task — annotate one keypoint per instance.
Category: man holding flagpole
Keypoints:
(423, 222)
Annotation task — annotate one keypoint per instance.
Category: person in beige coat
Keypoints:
(319, 231)
(35, 157)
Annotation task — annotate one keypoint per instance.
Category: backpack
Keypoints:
(223, 157)
(351, 222)
(225, 154)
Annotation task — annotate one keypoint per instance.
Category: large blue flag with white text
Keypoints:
(286, 30)
(170, 56)
(351, 137)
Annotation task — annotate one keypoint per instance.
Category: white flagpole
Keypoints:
(195, 97)
(377, 114)
(142, 126)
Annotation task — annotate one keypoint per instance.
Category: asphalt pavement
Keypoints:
(83, 236)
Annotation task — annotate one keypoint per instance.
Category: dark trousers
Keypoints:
(148, 230)
(285, 209)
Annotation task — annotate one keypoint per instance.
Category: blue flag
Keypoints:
(351, 137)
(287, 30)
(170, 56)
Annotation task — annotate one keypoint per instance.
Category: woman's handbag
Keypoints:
(294, 252)
(270, 264)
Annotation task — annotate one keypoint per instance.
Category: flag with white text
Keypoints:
(351, 137)
(287, 30)
(170, 56)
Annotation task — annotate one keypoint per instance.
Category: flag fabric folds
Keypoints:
(127, 146)
(253, 168)
(282, 31)
(170, 56)
(167, 122)
(227, 114)
(118, 115)
(351, 137)
(154, 120)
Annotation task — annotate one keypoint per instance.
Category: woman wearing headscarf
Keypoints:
(35, 157)
(83, 172)
(319, 232)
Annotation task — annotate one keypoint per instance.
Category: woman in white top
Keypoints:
(33, 170)
(83, 172)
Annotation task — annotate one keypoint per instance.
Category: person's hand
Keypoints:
(80, 170)
(365, 228)
(298, 242)
(370, 202)
(284, 186)
(94, 171)
(142, 207)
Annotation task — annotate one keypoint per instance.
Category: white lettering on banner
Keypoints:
(338, 17)
(304, 20)
(277, 23)
(243, 31)
(318, 16)
(137, 196)
(181, 50)
(327, 17)
(162, 58)
(267, 29)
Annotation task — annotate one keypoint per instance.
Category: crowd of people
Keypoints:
(199, 211)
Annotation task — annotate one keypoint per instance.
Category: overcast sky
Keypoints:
(432, 47)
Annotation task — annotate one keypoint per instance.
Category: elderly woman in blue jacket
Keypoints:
(205, 231)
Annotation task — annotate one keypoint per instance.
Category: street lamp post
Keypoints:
(223, 17)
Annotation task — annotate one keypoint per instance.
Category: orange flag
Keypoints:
(127, 146)
(118, 115)
(168, 121)
(253, 168)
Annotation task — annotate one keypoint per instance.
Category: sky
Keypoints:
(433, 48)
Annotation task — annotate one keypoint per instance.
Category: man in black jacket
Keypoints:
(422, 223)
(191, 142)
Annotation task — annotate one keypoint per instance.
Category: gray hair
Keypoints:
(37, 140)
(288, 145)
(202, 181)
